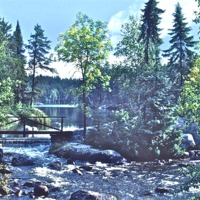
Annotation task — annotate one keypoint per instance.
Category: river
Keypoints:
(128, 181)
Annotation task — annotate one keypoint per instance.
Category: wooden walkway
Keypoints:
(25, 132)
(28, 140)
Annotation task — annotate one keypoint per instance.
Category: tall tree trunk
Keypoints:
(84, 113)
(33, 87)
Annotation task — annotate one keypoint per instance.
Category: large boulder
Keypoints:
(188, 142)
(90, 195)
(82, 152)
(189, 128)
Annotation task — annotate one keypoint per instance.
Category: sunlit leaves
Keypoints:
(189, 102)
(6, 97)
(85, 43)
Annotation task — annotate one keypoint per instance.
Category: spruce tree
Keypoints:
(38, 48)
(18, 50)
(6, 57)
(150, 30)
(180, 52)
(6, 29)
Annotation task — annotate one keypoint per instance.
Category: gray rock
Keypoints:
(194, 154)
(162, 190)
(77, 171)
(22, 161)
(40, 190)
(90, 195)
(29, 184)
(56, 165)
(82, 152)
(188, 141)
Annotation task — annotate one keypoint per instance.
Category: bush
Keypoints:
(4, 178)
(192, 175)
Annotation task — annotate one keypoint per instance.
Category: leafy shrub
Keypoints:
(192, 174)
(4, 178)
(35, 115)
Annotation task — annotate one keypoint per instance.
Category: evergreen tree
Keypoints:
(197, 14)
(150, 30)
(6, 29)
(6, 57)
(179, 53)
(38, 48)
(18, 51)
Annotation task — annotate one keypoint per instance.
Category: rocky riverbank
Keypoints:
(59, 178)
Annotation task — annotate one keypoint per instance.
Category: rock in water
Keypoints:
(90, 195)
(22, 161)
(56, 165)
(40, 190)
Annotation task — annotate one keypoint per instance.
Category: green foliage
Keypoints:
(197, 14)
(122, 115)
(192, 175)
(150, 35)
(189, 101)
(4, 178)
(36, 115)
(18, 50)
(87, 45)
(130, 50)
(6, 98)
(54, 90)
(39, 47)
(180, 52)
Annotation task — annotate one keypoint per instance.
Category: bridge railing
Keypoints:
(26, 121)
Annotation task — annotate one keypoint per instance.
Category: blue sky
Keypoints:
(56, 16)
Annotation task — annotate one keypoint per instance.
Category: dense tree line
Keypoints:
(54, 90)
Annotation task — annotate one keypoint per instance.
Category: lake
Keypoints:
(74, 115)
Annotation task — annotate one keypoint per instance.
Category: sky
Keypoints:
(56, 16)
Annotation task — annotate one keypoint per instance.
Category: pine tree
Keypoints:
(6, 29)
(6, 58)
(18, 51)
(180, 53)
(39, 47)
(150, 30)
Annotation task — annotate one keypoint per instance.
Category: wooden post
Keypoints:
(61, 124)
(24, 127)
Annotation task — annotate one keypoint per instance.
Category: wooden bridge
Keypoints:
(28, 126)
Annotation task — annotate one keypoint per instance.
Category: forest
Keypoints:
(147, 95)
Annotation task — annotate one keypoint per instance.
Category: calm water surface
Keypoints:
(73, 116)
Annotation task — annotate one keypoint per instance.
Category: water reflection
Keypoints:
(73, 118)
(72, 115)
